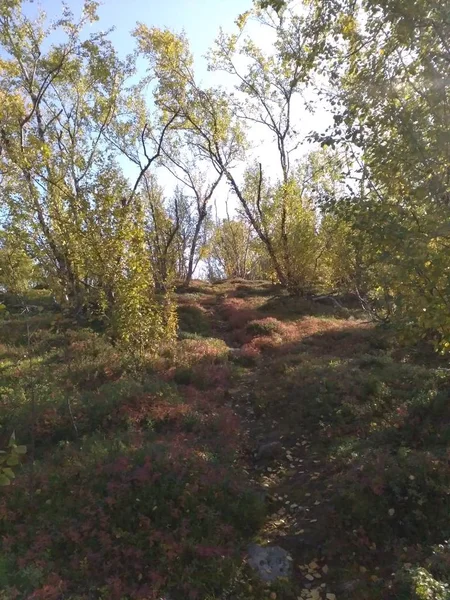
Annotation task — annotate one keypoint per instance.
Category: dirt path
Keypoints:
(282, 460)
(346, 439)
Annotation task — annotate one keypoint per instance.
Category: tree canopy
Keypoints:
(360, 205)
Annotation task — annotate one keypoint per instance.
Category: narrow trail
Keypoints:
(282, 461)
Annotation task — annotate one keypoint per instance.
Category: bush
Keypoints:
(183, 376)
(419, 584)
(264, 327)
(193, 319)
(128, 519)
(404, 495)
(247, 355)
(237, 313)
(189, 352)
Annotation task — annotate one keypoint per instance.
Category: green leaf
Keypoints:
(4, 480)
(9, 473)
(13, 460)
(20, 450)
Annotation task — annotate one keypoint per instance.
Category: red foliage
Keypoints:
(201, 350)
(237, 313)
(52, 590)
(48, 421)
(217, 376)
(265, 342)
(126, 522)
(250, 351)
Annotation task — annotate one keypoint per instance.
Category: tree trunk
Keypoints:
(193, 248)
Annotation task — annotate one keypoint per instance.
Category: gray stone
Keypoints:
(270, 562)
(269, 450)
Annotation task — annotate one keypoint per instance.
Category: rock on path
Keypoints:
(270, 562)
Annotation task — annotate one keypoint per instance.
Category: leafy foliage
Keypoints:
(10, 458)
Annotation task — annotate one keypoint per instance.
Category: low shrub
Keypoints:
(417, 583)
(404, 495)
(125, 518)
(247, 355)
(183, 376)
(237, 313)
(265, 327)
(189, 352)
(192, 318)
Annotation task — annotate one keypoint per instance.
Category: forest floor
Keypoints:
(272, 420)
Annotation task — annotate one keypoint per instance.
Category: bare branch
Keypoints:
(151, 159)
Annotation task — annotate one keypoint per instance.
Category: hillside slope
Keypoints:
(272, 420)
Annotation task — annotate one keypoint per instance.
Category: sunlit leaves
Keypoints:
(277, 5)
(68, 113)
(170, 60)
(10, 458)
(242, 19)
(90, 10)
